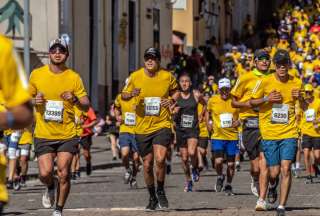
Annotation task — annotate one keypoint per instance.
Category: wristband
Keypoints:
(10, 119)
(265, 99)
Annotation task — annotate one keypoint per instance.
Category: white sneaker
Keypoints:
(48, 198)
(255, 188)
(262, 205)
(57, 213)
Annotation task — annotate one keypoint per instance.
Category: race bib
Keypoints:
(280, 114)
(54, 111)
(310, 115)
(187, 121)
(226, 120)
(152, 106)
(130, 119)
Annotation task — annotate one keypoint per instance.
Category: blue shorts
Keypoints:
(7, 141)
(128, 140)
(228, 147)
(277, 150)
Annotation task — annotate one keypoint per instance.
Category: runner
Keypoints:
(187, 129)
(251, 137)
(75, 165)
(224, 140)
(151, 87)
(56, 90)
(113, 131)
(203, 134)
(310, 130)
(16, 111)
(276, 96)
(125, 113)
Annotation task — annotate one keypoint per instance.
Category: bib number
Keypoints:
(152, 106)
(280, 114)
(226, 120)
(54, 111)
(130, 119)
(187, 121)
(310, 115)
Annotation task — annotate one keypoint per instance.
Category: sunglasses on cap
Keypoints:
(56, 49)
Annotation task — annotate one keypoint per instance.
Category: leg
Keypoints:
(148, 169)
(192, 151)
(264, 176)
(24, 165)
(113, 141)
(306, 153)
(46, 165)
(285, 181)
(219, 165)
(185, 162)
(125, 156)
(64, 160)
(160, 153)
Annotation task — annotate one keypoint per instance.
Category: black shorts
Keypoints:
(184, 134)
(310, 142)
(86, 141)
(145, 142)
(203, 142)
(251, 139)
(45, 146)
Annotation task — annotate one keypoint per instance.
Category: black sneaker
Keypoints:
(73, 176)
(238, 167)
(309, 180)
(281, 212)
(89, 169)
(133, 183)
(23, 181)
(78, 174)
(162, 200)
(152, 205)
(228, 190)
(168, 169)
(16, 184)
(273, 193)
(9, 185)
(219, 184)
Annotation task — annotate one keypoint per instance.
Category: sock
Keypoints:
(160, 185)
(152, 191)
(227, 184)
(59, 208)
(297, 165)
(281, 207)
(237, 163)
(51, 187)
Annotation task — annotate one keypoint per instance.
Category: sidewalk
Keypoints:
(101, 158)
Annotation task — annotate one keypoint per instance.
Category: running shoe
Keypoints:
(48, 198)
(228, 190)
(162, 200)
(168, 169)
(16, 184)
(273, 193)
(309, 180)
(195, 175)
(255, 187)
(9, 185)
(57, 213)
(78, 173)
(133, 183)
(219, 183)
(23, 181)
(281, 212)
(127, 176)
(238, 167)
(188, 186)
(262, 205)
(152, 205)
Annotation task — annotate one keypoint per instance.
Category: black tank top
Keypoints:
(187, 117)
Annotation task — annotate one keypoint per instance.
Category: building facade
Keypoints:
(107, 38)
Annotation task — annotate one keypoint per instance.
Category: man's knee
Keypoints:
(63, 175)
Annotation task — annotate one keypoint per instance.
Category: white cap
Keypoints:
(309, 57)
(224, 83)
(235, 48)
(58, 41)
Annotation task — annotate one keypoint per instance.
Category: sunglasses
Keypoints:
(55, 50)
(284, 65)
(263, 58)
(150, 57)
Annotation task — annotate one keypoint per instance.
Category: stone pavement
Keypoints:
(103, 193)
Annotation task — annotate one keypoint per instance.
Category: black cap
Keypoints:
(152, 52)
(282, 57)
(261, 53)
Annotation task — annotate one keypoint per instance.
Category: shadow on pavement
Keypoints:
(302, 208)
(196, 209)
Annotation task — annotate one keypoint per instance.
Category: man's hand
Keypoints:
(296, 94)
(166, 102)
(274, 97)
(39, 99)
(135, 92)
(68, 96)
(235, 124)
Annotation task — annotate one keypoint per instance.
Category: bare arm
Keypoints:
(237, 104)
(22, 116)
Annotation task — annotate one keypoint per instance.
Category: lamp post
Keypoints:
(26, 28)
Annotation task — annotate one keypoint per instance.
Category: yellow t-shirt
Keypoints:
(307, 69)
(242, 90)
(52, 85)
(312, 112)
(26, 137)
(203, 131)
(152, 89)
(128, 114)
(221, 111)
(13, 85)
(271, 114)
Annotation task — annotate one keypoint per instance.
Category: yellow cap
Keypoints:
(308, 87)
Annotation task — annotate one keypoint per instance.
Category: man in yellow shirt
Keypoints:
(154, 91)
(17, 113)
(224, 140)
(56, 89)
(251, 136)
(276, 96)
(310, 129)
(125, 113)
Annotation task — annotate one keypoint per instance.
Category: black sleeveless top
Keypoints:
(187, 117)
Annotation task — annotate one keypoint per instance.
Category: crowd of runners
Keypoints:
(266, 107)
